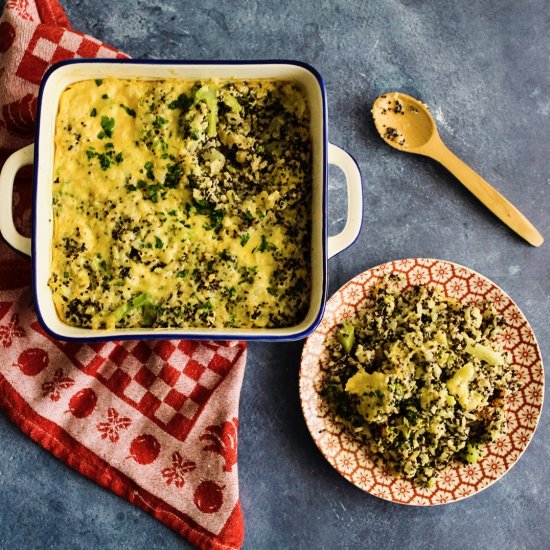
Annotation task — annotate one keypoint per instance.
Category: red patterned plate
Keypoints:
(458, 481)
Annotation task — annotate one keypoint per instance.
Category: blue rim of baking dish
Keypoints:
(182, 335)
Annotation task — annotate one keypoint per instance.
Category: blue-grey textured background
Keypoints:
(483, 67)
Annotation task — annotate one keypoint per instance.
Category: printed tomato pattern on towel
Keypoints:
(168, 382)
(156, 421)
(208, 497)
(120, 399)
(82, 403)
(32, 361)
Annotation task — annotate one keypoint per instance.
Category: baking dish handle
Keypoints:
(15, 162)
(348, 165)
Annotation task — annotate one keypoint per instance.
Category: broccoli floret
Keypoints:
(346, 336)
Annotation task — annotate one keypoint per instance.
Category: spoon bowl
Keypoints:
(403, 122)
(406, 124)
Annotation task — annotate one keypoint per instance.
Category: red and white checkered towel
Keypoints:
(156, 421)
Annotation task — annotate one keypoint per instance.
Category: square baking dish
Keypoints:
(42, 153)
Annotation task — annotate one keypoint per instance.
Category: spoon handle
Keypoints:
(489, 196)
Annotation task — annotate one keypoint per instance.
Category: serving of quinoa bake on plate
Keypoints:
(424, 382)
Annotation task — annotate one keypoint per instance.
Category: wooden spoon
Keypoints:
(406, 124)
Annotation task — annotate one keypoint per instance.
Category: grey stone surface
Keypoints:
(483, 67)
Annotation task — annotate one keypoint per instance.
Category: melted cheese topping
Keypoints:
(181, 204)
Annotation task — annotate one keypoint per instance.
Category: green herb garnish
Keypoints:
(159, 122)
(264, 245)
(129, 111)
(149, 170)
(173, 175)
(107, 124)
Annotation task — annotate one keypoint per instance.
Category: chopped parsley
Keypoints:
(214, 214)
(159, 122)
(129, 111)
(173, 176)
(107, 124)
(149, 170)
(248, 274)
(151, 192)
(105, 159)
(264, 245)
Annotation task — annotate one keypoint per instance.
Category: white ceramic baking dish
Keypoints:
(41, 153)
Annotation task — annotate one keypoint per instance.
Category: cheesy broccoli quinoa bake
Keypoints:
(420, 380)
(182, 204)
